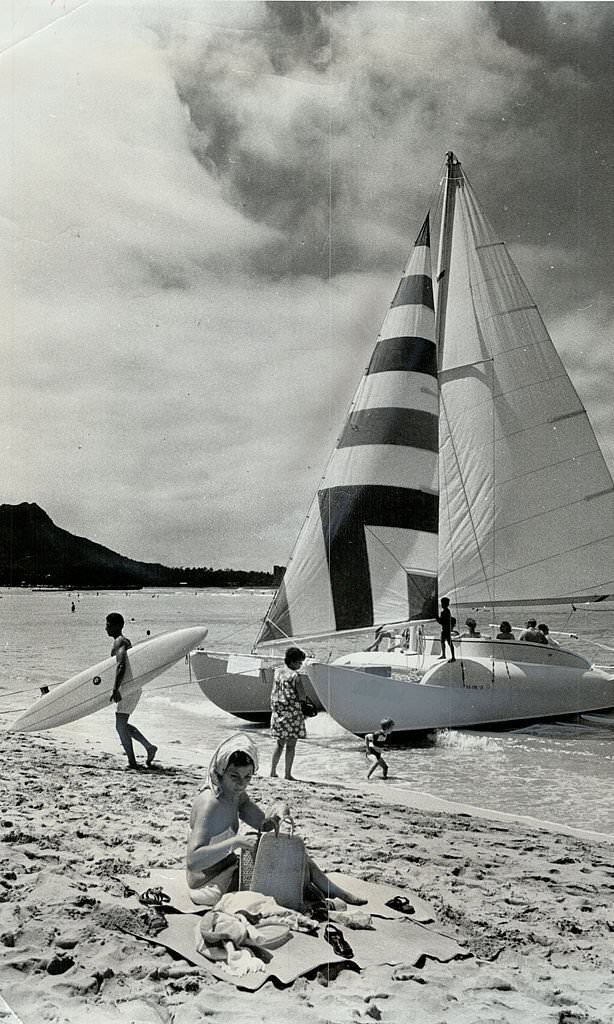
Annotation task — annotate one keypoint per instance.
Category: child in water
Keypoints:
(374, 742)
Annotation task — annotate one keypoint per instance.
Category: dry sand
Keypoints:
(534, 907)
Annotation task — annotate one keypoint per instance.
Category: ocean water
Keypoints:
(554, 772)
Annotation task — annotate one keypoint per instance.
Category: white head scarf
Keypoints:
(219, 762)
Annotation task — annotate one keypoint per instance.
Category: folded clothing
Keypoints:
(231, 937)
(261, 909)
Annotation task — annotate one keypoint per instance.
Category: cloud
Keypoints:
(208, 207)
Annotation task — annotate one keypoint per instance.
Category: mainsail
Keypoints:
(479, 407)
(367, 552)
(527, 500)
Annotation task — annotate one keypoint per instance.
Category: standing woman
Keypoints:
(287, 721)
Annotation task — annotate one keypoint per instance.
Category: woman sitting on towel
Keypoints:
(213, 835)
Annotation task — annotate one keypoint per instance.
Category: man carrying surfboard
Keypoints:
(126, 705)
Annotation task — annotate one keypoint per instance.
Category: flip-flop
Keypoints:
(154, 897)
(402, 904)
(337, 940)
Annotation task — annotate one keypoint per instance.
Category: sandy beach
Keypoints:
(533, 907)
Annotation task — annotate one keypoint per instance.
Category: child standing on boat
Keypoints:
(374, 742)
(447, 622)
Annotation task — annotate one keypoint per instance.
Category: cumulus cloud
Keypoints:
(206, 213)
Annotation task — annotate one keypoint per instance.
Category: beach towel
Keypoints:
(394, 942)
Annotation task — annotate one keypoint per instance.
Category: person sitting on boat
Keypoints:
(545, 630)
(505, 631)
(471, 630)
(212, 865)
(389, 633)
(532, 633)
(374, 743)
(447, 622)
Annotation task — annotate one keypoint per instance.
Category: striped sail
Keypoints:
(367, 553)
(527, 500)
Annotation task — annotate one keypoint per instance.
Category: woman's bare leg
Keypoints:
(328, 888)
(276, 756)
(290, 752)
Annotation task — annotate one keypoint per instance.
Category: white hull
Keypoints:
(245, 693)
(490, 683)
(91, 690)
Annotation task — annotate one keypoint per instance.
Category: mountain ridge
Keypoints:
(34, 551)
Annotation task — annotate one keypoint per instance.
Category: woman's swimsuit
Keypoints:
(218, 878)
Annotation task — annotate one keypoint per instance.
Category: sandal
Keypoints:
(337, 940)
(153, 897)
(402, 904)
(318, 911)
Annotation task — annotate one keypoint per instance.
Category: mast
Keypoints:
(454, 177)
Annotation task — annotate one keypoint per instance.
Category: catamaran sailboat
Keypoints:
(467, 467)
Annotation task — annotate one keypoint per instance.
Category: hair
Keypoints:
(543, 627)
(240, 759)
(505, 626)
(532, 623)
(294, 654)
(387, 723)
(470, 622)
(115, 619)
(445, 601)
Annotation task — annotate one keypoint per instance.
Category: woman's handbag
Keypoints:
(279, 868)
(308, 708)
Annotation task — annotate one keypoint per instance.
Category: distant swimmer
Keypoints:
(126, 705)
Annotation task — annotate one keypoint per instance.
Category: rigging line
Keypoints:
(382, 543)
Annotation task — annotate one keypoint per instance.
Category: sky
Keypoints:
(205, 209)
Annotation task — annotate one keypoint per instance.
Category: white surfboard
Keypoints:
(91, 689)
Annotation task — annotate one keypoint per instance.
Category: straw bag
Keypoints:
(279, 868)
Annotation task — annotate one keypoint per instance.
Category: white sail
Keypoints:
(526, 513)
(527, 501)
(367, 553)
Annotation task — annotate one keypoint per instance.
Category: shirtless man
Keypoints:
(532, 633)
(126, 705)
